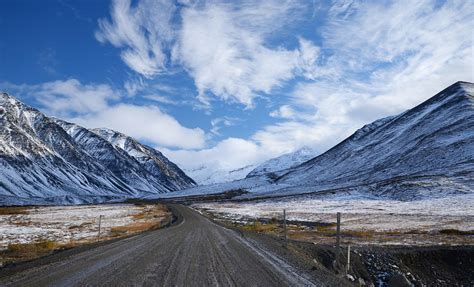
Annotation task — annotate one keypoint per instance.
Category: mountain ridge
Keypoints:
(440, 129)
(41, 162)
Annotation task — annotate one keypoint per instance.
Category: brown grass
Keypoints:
(258, 226)
(456, 232)
(139, 216)
(301, 233)
(153, 217)
(28, 251)
(13, 210)
(22, 223)
(134, 227)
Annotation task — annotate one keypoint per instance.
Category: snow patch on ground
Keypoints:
(454, 212)
(64, 224)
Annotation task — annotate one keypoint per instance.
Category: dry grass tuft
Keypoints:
(32, 250)
(134, 227)
(13, 210)
(258, 226)
(152, 217)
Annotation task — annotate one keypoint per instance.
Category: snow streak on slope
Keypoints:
(41, 162)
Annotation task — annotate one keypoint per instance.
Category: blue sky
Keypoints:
(224, 84)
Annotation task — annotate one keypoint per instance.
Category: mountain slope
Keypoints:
(115, 159)
(169, 174)
(433, 141)
(280, 165)
(39, 159)
(48, 160)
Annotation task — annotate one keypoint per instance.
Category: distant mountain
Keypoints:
(429, 147)
(45, 160)
(277, 166)
(208, 175)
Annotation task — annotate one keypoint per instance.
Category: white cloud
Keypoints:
(63, 98)
(228, 154)
(134, 85)
(97, 105)
(410, 33)
(223, 45)
(218, 123)
(143, 31)
(381, 66)
(146, 123)
(307, 60)
(290, 136)
(224, 50)
(160, 99)
(284, 111)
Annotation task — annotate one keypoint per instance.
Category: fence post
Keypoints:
(284, 227)
(348, 259)
(338, 239)
(100, 221)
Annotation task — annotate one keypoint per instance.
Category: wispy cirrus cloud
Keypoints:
(224, 48)
(142, 31)
(222, 45)
(379, 66)
(218, 123)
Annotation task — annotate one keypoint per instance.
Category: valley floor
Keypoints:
(365, 221)
(31, 232)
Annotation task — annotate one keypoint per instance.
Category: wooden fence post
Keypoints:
(284, 227)
(338, 239)
(348, 267)
(98, 234)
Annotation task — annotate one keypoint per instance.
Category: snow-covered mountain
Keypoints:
(44, 160)
(429, 147)
(272, 168)
(153, 161)
(208, 175)
(277, 166)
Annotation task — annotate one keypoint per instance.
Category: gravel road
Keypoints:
(195, 252)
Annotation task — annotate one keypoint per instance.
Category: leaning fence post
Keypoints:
(100, 221)
(284, 227)
(338, 239)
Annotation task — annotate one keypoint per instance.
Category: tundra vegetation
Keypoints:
(28, 233)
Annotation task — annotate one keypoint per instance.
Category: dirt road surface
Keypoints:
(195, 252)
